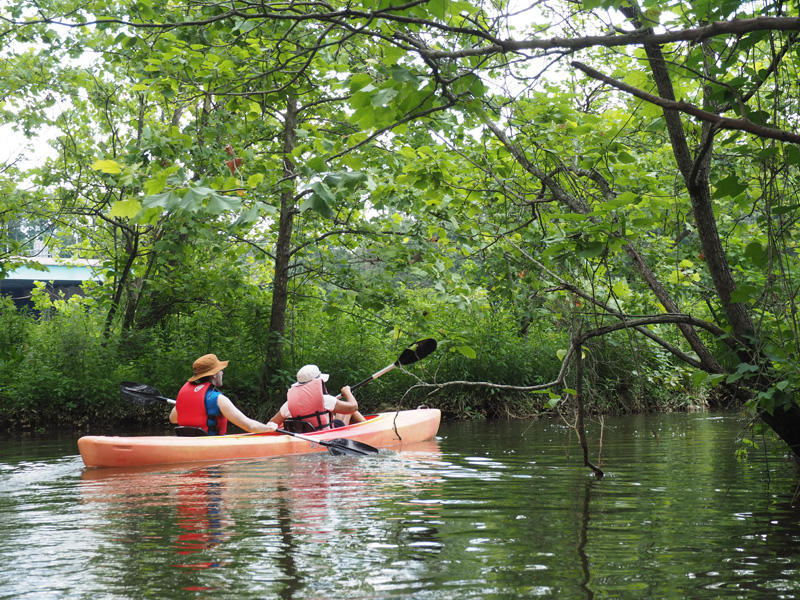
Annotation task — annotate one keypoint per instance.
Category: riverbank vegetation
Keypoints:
(62, 372)
(609, 183)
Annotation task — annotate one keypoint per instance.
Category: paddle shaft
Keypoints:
(416, 351)
(344, 446)
(305, 437)
(372, 377)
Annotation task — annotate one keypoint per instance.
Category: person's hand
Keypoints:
(264, 427)
(346, 392)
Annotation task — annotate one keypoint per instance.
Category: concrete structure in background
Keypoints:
(62, 275)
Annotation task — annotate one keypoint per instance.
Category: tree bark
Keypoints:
(695, 173)
(283, 254)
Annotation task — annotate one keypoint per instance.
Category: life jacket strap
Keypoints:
(316, 415)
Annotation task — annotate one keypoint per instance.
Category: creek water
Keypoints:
(487, 510)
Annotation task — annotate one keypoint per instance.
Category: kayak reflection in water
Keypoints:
(309, 407)
(200, 513)
(200, 404)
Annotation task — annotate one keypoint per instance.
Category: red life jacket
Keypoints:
(305, 403)
(193, 412)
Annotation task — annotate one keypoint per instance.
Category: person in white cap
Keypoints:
(308, 401)
(200, 404)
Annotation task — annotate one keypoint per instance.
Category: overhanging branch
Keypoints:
(718, 121)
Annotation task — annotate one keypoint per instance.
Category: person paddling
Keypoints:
(307, 401)
(200, 403)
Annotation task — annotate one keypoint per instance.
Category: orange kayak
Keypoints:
(383, 430)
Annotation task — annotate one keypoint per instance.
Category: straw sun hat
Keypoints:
(208, 364)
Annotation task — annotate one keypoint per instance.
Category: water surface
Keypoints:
(499, 510)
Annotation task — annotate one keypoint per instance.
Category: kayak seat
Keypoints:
(298, 426)
(185, 431)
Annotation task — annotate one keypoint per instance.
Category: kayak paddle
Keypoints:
(414, 352)
(141, 393)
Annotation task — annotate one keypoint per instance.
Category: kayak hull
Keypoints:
(384, 430)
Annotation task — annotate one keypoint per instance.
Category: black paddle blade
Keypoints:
(345, 447)
(416, 351)
(140, 392)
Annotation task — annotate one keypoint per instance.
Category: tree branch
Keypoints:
(718, 121)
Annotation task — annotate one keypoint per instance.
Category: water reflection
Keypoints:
(500, 510)
(165, 508)
(200, 514)
(298, 511)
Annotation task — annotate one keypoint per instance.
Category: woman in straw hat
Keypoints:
(201, 404)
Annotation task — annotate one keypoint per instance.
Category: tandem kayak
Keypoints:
(383, 430)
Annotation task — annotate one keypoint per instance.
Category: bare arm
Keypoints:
(238, 418)
(173, 416)
(347, 404)
(277, 419)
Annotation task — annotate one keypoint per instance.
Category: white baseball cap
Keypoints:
(309, 372)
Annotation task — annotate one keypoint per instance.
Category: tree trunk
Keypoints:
(283, 253)
(785, 421)
(696, 176)
(131, 249)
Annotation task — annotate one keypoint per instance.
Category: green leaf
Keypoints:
(792, 154)
(729, 186)
(591, 249)
(111, 167)
(392, 54)
(623, 199)
(255, 180)
(320, 200)
(359, 81)
(745, 293)
(467, 351)
(218, 204)
(344, 179)
(403, 75)
(165, 200)
(125, 208)
(621, 289)
(383, 97)
(437, 8)
(782, 210)
(756, 253)
(193, 198)
(317, 164)
(156, 185)
(625, 158)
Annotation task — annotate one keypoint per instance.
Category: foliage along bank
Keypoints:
(62, 374)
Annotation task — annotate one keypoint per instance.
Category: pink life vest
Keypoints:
(193, 411)
(305, 403)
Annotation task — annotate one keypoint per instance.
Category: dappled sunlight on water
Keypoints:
(487, 510)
